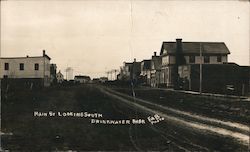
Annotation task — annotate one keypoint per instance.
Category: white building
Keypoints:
(82, 79)
(36, 67)
(69, 73)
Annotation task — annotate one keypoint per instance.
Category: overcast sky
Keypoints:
(97, 36)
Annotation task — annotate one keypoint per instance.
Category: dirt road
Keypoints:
(179, 131)
(189, 121)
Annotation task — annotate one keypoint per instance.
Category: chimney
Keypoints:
(178, 61)
(44, 53)
(134, 59)
(179, 45)
(179, 56)
(154, 53)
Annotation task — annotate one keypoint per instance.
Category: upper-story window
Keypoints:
(6, 66)
(165, 60)
(36, 66)
(192, 59)
(219, 58)
(206, 59)
(21, 66)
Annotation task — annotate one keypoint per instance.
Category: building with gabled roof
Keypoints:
(194, 48)
(82, 79)
(59, 77)
(178, 53)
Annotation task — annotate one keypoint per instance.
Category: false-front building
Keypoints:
(32, 70)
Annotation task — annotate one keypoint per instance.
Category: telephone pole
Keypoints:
(200, 89)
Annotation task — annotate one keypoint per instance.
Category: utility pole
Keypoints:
(115, 73)
(200, 90)
(107, 74)
(0, 115)
(111, 72)
(0, 108)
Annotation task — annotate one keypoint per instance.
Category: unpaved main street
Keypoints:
(181, 130)
(194, 122)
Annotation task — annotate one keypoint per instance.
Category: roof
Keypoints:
(59, 72)
(194, 48)
(25, 57)
(137, 65)
(82, 76)
(127, 64)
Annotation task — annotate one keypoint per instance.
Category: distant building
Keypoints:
(96, 80)
(82, 79)
(155, 70)
(69, 73)
(103, 79)
(178, 53)
(125, 71)
(59, 77)
(26, 70)
(145, 71)
(136, 71)
(53, 78)
(130, 71)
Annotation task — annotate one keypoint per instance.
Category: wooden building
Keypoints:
(33, 70)
(178, 53)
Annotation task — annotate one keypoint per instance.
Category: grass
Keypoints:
(237, 111)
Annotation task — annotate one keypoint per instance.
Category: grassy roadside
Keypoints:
(236, 111)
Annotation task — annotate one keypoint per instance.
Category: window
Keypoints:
(36, 66)
(191, 59)
(21, 66)
(165, 60)
(6, 66)
(219, 58)
(206, 59)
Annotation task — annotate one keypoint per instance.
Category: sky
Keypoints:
(96, 36)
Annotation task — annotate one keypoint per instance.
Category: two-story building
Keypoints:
(145, 71)
(130, 71)
(136, 71)
(125, 71)
(155, 70)
(178, 53)
(34, 69)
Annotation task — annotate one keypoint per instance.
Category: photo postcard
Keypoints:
(125, 75)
